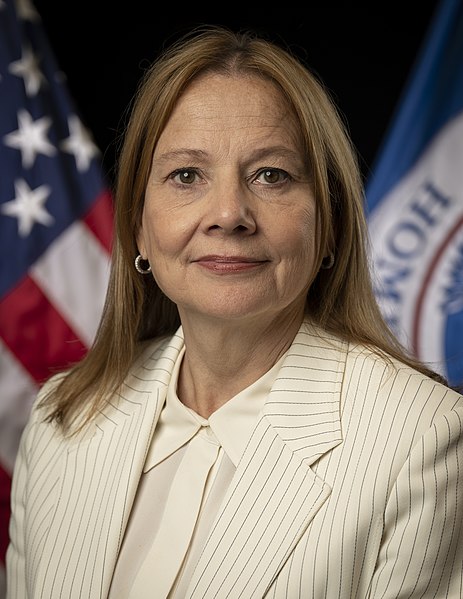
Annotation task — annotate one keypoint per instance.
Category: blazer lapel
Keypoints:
(100, 475)
(275, 494)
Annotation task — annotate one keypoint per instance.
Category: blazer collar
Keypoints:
(274, 494)
(304, 404)
(148, 379)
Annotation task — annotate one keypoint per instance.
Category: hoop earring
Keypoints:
(139, 267)
(327, 262)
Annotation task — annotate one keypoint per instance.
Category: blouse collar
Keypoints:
(232, 424)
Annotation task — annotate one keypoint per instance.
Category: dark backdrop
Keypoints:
(363, 53)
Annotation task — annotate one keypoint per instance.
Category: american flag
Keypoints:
(55, 230)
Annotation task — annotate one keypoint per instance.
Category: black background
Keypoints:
(363, 53)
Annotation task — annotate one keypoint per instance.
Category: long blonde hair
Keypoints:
(340, 299)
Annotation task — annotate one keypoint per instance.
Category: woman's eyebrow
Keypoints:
(180, 153)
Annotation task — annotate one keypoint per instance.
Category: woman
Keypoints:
(245, 424)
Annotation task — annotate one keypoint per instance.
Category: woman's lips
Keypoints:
(229, 264)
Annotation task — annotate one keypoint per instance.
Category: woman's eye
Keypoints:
(271, 176)
(184, 176)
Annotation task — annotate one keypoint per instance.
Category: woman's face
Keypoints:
(228, 223)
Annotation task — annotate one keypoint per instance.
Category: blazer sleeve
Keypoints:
(421, 554)
(17, 570)
(16, 551)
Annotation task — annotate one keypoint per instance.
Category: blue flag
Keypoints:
(415, 203)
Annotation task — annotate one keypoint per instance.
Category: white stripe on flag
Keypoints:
(18, 392)
(73, 273)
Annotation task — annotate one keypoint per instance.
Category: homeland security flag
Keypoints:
(415, 203)
(55, 230)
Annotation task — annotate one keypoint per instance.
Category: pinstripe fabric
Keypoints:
(351, 486)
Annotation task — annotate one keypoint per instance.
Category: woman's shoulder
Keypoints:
(393, 378)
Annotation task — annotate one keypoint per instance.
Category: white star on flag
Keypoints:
(30, 138)
(28, 68)
(80, 144)
(28, 207)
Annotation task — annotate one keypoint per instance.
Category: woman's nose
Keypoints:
(231, 210)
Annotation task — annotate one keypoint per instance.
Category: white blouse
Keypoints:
(189, 466)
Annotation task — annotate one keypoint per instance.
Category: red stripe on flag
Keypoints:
(99, 219)
(36, 333)
(5, 489)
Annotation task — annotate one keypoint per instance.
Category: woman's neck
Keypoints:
(220, 361)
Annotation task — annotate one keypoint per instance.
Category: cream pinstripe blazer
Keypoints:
(351, 487)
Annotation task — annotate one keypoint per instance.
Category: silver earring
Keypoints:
(139, 267)
(328, 261)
